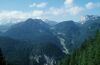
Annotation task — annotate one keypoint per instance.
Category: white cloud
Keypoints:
(72, 8)
(38, 5)
(68, 3)
(91, 5)
(16, 16)
(55, 11)
(12, 15)
(75, 10)
(68, 8)
(37, 12)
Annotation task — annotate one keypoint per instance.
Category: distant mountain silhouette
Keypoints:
(32, 30)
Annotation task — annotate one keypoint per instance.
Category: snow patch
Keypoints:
(83, 19)
(37, 57)
(49, 61)
(62, 41)
(59, 33)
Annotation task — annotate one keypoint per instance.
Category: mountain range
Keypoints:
(36, 42)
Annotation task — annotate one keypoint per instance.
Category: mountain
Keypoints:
(29, 53)
(87, 54)
(15, 52)
(32, 30)
(67, 32)
(37, 35)
(91, 25)
(71, 34)
(51, 23)
(4, 28)
(88, 51)
(36, 42)
(45, 54)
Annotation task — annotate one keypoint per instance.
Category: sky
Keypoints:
(56, 10)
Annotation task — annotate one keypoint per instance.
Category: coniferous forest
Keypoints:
(87, 54)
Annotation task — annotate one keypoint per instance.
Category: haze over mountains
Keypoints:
(37, 42)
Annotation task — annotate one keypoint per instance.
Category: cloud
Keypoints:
(91, 5)
(68, 8)
(38, 5)
(16, 16)
(12, 14)
(68, 2)
(37, 12)
(75, 10)
(55, 11)
(72, 8)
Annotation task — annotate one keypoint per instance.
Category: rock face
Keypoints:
(69, 32)
(45, 54)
